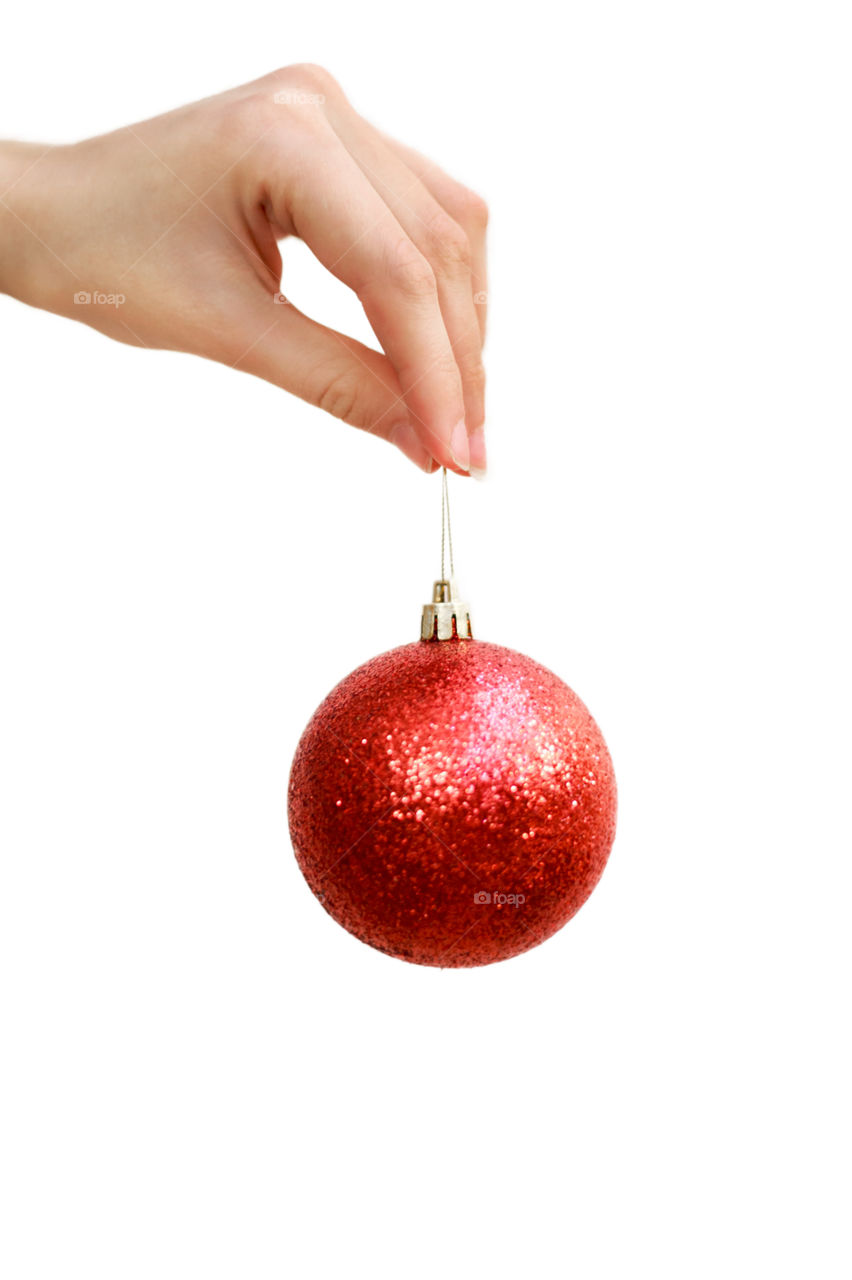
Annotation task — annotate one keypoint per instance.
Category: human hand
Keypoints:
(164, 234)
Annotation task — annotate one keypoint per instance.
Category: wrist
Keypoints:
(24, 206)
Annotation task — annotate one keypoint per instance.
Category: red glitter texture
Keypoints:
(452, 803)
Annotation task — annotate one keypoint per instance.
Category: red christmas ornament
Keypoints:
(452, 802)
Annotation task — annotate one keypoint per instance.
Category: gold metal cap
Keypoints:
(446, 617)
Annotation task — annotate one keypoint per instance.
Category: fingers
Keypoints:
(465, 207)
(440, 239)
(332, 371)
(469, 211)
(353, 232)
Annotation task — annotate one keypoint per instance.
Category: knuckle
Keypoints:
(411, 273)
(449, 245)
(303, 88)
(469, 208)
(447, 369)
(474, 376)
(308, 74)
(312, 77)
(339, 396)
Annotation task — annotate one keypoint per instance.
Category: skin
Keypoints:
(171, 229)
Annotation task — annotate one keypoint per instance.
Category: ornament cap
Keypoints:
(446, 617)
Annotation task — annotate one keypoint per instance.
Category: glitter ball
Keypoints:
(452, 803)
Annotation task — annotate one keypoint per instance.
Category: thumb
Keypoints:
(336, 373)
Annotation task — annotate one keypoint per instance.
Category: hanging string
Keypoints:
(446, 530)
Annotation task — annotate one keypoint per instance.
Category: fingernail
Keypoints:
(459, 450)
(408, 442)
(476, 445)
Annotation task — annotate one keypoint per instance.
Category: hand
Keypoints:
(164, 234)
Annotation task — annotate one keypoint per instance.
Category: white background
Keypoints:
(202, 1075)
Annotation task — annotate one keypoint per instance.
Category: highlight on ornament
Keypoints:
(452, 802)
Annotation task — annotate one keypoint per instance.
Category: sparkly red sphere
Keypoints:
(452, 803)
